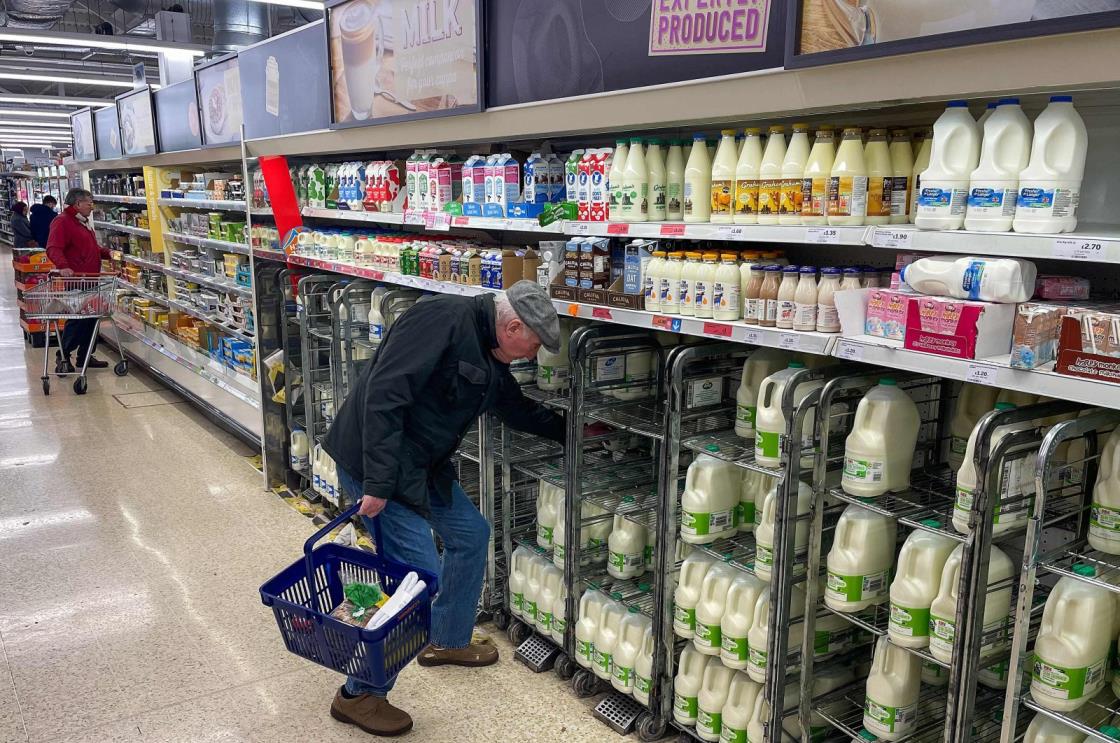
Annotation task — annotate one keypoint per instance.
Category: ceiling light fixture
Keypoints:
(56, 100)
(36, 124)
(41, 77)
(306, 4)
(30, 112)
(34, 134)
(29, 138)
(95, 41)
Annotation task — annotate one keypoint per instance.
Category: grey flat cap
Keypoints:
(531, 303)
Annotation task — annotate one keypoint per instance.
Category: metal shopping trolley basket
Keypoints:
(303, 595)
(67, 298)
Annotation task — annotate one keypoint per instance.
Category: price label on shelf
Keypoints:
(579, 228)
(461, 221)
(601, 313)
(822, 235)
(729, 233)
(1079, 250)
(789, 341)
(666, 323)
(884, 238)
(573, 309)
(982, 374)
(437, 221)
(618, 228)
(720, 329)
(752, 336)
(413, 216)
(850, 351)
(672, 230)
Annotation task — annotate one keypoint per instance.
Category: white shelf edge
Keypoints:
(208, 242)
(215, 204)
(198, 278)
(127, 229)
(115, 199)
(192, 311)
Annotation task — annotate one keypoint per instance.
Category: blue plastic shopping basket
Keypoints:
(304, 593)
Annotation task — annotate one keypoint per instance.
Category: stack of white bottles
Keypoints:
(615, 642)
(324, 475)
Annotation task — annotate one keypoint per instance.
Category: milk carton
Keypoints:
(444, 183)
(599, 194)
(470, 165)
(494, 175)
(915, 585)
(583, 184)
(536, 188)
(635, 260)
(556, 178)
(572, 177)
(879, 451)
(509, 187)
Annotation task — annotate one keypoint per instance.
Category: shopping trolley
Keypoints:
(303, 595)
(59, 298)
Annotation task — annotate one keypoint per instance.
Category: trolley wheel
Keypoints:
(650, 728)
(519, 633)
(46, 386)
(121, 369)
(80, 386)
(502, 620)
(565, 667)
(585, 683)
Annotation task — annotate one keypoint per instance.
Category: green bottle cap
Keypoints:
(866, 734)
(1005, 406)
(796, 365)
(712, 447)
(627, 499)
(1110, 730)
(931, 523)
(1081, 568)
(644, 587)
(616, 596)
(634, 610)
(888, 382)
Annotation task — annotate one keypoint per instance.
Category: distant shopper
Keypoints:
(41, 217)
(21, 228)
(444, 363)
(72, 248)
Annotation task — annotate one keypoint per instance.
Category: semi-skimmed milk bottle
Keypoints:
(770, 422)
(766, 530)
(860, 561)
(1050, 185)
(879, 451)
(687, 593)
(632, 634)
(997, 605)
(1014, 498)
(738, 616)
(972, 402)
(893, 689)
(518, 565)
(955, 154)
(708, 637)
(606, 636)
(710, 499)
(550, 499)
(1045, 729)
(674, 181)
(552, 580)
(560, 614)
(1004, 280)
(534, 573)
(1074, 641)
(626, 547)
(760, 716)
(737, 710)
(1104, 517)
(687, 683)
(643, 669)
(916, 582)
(994, 186)
(591, 607)
(924, 144)
(752, 497)
(711, 700)
(758, 366)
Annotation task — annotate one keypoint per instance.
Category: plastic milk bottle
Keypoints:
(955, 154)
(1050, 185)
(655, 163)
(1104, 518)
(533, 574)
(738, 616)
(551, 581)
(687, 593)
(860, 561)
(1007, 280)
(606, 637)
(632, 634)
(746, 179)
(723, 178)
(1016, 480)
(1045, 729)
(560, 614)
(764, 534)
(893, 688)
(643, 669)
(997, 606)
(708, 637)
(994, 186)
(972, 402)
(921, 162)
(1073, 643)
(917, 580)
(770, 176)
(674, 181)
(880, 177)
(847, 184)
(626, 548)
(758, 366)
(879, 451)
(710, 499)
(793, 172)
(727, 300)
(615, 177)
(634, 192)
(771, 424)
(298, 450)
(698, 182)
(550, 499)
(818, 170)
(686, 685)
(591, 607)
(739, 707)
(518, 565)
(902, 167)
(758, 639)
(710, 702)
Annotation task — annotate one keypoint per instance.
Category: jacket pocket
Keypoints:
(471, 373)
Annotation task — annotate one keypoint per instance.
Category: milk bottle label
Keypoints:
(752, 308)
(881, 718)
(709, 722)
(686, 707)
(941, 200)
(827, 642)
(684, 620)
(529, 608)
(942, 633)
(708, 635)
(698, 524)
(857, 587)
(585, 649)
(909, 622)
(899, 192)
(767, 443)
(624, 674)
(728, 734)
(517, 600)
(746, 196)
(734, 648)
(847, 196)
(725, 296)
(756, 658)
(958, 445)
(544, 533)
(745, 413)
(769, 195)
(1041, 203)
(688, 198)
(814, 197)
(863, 470)
(623, 562)
(1066, 683)
(879, 196)
(559, 626)
(786, 311)
(544, 619)
(642, 685)
(991, 202)
(745, 513)
(547, 373)
(1104, 522)
(791, 196)
(702, 298)
(722, 193)
(605, 661)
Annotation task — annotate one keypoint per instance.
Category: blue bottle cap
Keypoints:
(790, 269)
(831, 270)
(993, 104)
(772, 267)
(853, 270)
(809, 270)
(1009, 101)
(698, 137)
(957, 104)
(1061, 99)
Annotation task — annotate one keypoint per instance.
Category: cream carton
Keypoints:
(571, 177)
(474, 180)
(599, 196)
(537, 186)
(583, 185)
(509, 187)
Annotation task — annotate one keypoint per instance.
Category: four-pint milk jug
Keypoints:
(687, 594)
(997, 604)
(879, 452)
(710, 500)
(632, 636)
(860, 561)
(552, 579)
(686, 685)
(626, 547)
(972, 402)
(917, 579)
(591, 606)
(712, 699)
(643, 670)
(606, 636)
(954, 155)
(1012, 503)
(767, 527)
(758, 366)
(519, 563)
(1050, 185)
(994, 185)
(709, 611)
(893, 688)
(1072, 648)
(738, 616)
(1104, 517)
(739, 707)
(770, 422)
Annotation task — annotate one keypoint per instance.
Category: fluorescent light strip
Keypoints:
(56, 100)
(307, 4)
(34, 133)
(45, 78)
(99, 42)
(29, 112)
(37, 124)
(21, 138)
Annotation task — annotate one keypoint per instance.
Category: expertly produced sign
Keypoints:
(708, 26)
(402, 59)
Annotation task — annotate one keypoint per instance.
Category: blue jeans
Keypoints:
(407, 538)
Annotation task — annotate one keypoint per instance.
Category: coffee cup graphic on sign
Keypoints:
(362, 37)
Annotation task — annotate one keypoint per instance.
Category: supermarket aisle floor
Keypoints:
(133, 537)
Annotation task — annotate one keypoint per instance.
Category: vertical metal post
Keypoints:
(573, 453)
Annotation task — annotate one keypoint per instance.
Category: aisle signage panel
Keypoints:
(285, 85)
(394, 60)
(177, 117)
(538, 51)
(136, 116)
(81, 127)
(107, 133)
(219, 100)
(829, 31)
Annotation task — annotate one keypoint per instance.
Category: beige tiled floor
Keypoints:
(132, 544)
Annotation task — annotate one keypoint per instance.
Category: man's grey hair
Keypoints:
(74, 195)
(504, 312)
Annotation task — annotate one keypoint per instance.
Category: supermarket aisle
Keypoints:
(133, 537)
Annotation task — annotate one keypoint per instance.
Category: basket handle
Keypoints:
(309, 545)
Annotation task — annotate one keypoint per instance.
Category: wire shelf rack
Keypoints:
(844, 709)
(557, 400)
(730, 447)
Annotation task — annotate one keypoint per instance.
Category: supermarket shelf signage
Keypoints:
(708, 26)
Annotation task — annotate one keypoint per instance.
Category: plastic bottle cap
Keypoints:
(712, 447)
(1005, 406)
(831, 270)
(643, 587)
(636, 140)
(866, 735)
(1081, 568)
(931, 523)
(616, 596)
(1007, 102)
(753, 131)
(627, 499)
(796, 365)
(634, 610)
(959, 104)
(1110, 730)
(728, 132)
(654, 141)
(791, 269)
(853, 269)
(888, 382)
(698, 137)
(809, 270)
(1061, 99)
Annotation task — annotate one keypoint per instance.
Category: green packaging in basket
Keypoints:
(361, 603)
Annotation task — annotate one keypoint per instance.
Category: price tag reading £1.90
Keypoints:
(1078, 249)
(884, 238)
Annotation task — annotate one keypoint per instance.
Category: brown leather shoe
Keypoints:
(372, 714)
(474, 655)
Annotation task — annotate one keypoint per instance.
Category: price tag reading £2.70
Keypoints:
(1078, 249)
